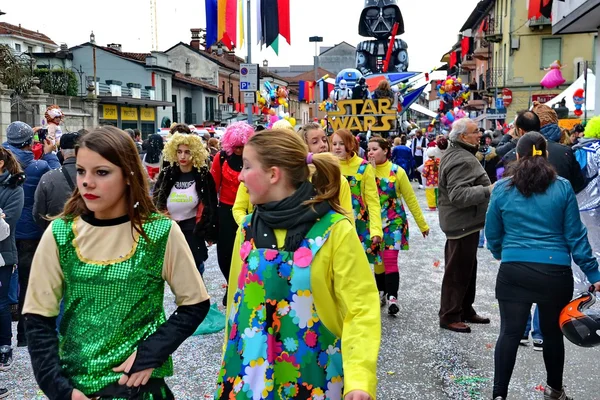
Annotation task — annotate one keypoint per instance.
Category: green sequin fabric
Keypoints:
(109, 307)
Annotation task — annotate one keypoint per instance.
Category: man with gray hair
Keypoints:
(56, 186)
(464, 193)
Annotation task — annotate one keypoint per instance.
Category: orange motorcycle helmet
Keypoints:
(578, 323)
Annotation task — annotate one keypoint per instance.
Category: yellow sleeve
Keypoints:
(234, 272)
(404, 190)
(45, 288)
(180, 272)
(361, 331)
(346, 198)
(371, 198)
(242, 206)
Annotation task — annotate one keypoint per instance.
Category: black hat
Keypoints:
(69, 140)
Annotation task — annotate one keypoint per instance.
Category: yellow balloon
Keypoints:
(292, 121)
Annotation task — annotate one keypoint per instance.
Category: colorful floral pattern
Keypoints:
(393, 215)
(277, 346)
(431, 172)
(361, 214)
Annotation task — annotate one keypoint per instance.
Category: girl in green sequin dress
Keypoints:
(107, 257)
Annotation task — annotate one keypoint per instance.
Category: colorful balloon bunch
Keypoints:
(579, 99)
(273, 119)
(451, 116)
(273, 100)
(452, 92)
(327, 105)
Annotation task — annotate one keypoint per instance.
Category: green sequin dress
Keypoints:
(110, 307)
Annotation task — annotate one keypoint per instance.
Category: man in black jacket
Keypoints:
(561, 157)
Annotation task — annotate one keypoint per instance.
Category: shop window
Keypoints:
(551, 51)
(148, 128)
(129, 125)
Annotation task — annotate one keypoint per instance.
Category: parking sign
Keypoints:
(248, 77)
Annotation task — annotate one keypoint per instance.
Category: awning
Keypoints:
(420, 109)
(134, 102)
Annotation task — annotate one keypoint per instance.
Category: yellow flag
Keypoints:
(241, 27)
(222, 9)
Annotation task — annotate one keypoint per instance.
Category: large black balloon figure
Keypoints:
(377, 20)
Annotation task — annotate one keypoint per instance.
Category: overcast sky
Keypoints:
(431, 25)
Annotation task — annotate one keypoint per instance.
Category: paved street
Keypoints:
(418, 360)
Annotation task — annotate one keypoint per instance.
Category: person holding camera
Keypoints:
(28, 234)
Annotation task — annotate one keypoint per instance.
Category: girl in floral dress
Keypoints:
(431, 173)
(392, 185)
(365, 199)
(296, 326)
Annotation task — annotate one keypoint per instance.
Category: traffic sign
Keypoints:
(248, 77)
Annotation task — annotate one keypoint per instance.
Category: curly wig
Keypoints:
(592, 129)
(236, 135)
(197, 149)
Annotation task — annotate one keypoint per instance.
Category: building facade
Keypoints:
(23, 40)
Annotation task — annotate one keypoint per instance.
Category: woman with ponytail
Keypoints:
(365, 197)
(393, 186)
(301, 301)
(533, 226)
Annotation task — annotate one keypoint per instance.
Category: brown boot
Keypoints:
(460, 327)
(551, 394)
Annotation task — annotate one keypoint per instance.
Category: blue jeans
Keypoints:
(537, 332)
(5, 317)
(481, 238)
(13, 290)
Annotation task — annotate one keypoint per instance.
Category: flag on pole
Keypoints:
(259, 23)
(283, 8)
(534, 9)
(241, 22)
(231, 19)
(271, 21)
(212, 22)
(222, 13)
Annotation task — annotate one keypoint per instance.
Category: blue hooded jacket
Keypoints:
(34, 169)
(551, 132)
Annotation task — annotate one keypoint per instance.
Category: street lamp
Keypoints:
(93, 42)
(315, 40)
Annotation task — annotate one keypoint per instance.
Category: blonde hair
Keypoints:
(271, 144)
(197, 149)
(397, 141)
(311, 126)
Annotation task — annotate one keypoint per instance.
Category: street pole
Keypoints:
(585, 91)
(315, 40)
(249, 58)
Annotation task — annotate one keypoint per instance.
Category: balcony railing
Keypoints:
(540, 22)
(580, 67)
(494, 32)
(190, 118)
(494, 78)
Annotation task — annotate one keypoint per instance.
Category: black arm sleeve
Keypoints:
(156, 349)
(42, 342)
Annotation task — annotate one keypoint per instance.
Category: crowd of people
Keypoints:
(101, 220)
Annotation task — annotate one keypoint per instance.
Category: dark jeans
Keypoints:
(26, 249)
(513, 319)
(418, 163)
(460, 277)
(226, 239)
(5, 317)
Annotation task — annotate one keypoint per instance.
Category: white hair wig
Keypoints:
(459, 127)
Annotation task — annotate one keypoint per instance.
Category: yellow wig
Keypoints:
(197, 149)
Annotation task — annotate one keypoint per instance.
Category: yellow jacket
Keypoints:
(242, 206)
(368, 191)
(404, 190)
(346, 300)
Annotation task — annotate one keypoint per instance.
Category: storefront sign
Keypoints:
(362, 114)
(568, 123)
(109, 111)
(542, 98)
(129, 114)
(147, 114)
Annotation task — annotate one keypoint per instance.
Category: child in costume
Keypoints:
(431, 174)
(392, 186)
(108, 257)
(365, 197)
(296, 328)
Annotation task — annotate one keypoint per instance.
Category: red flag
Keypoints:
(465, 45)
(546, 8)
(484, 26)
(452, 59)
(283, 9)
(534, 9)
(231, 23)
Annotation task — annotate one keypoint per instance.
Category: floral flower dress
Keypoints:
(361, 214)
(393, 216)
(277, 347)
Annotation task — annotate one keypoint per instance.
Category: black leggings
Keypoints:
(226, 239)
(513, 319)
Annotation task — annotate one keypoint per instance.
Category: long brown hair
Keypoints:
(10, 162)
(119, 149)
(350, 143)
(270, 145)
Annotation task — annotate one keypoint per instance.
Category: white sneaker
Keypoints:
(382, 301)
(525, 340)
(538, 345)
(392, 305)
(420, 186)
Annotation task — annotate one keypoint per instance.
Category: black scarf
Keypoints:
(289, 214)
